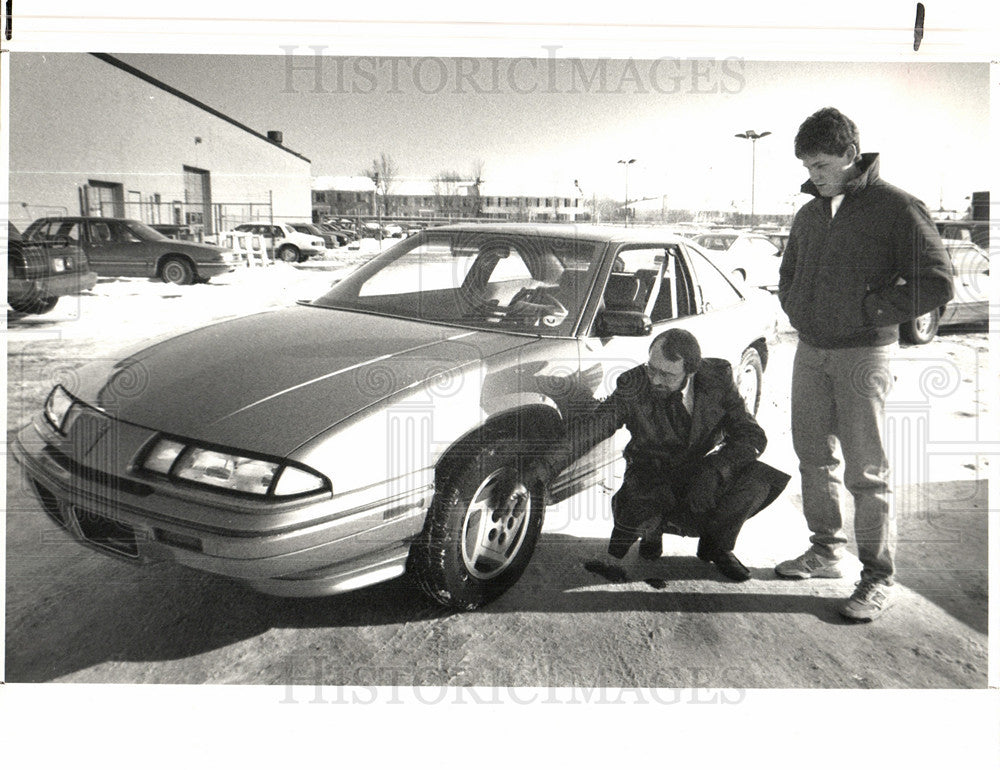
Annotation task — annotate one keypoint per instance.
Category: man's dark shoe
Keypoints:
(651, 548)
(727, 563)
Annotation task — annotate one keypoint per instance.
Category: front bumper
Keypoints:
(314, 547)
(212, 269)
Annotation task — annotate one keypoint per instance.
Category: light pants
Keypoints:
(839, 395)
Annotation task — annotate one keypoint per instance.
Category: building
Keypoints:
(355, 197)
(92, 135)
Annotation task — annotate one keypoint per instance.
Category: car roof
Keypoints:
(568, 230)
(86, 219)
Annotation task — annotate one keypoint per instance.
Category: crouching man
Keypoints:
(691, 464)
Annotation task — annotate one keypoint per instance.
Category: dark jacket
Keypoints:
(719, 419)
(850, 280)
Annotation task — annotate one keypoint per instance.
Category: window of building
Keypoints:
(105, 199)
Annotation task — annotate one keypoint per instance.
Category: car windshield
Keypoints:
(145, 232)
(506, 281)
(305, 229)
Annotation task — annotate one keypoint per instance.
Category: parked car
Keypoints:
(970, 269)
(387, 425)
(40, 272)
(285, 242)
(746, 255)
(127, 247)
(341, 235)
(371, 230)
(778, 237)
(329, 240)
(966, 230)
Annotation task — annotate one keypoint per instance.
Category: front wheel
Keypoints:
(179, 271)
(750, 378)
(922, 329)
(288, 253)
(481, 529)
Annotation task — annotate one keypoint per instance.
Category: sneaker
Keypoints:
(869, 600)
(809, 565)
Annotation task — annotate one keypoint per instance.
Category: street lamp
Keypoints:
(626, 163)
(753, 136)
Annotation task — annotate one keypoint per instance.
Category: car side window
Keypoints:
(635, 276)
(100, 232)
(673, 300)
(68, 230)
(121, 234)
(716, 290)
(42, 232)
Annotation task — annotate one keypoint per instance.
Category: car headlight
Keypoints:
(222, 469)
(57, 406)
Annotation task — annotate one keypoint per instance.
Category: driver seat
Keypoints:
(622, 292)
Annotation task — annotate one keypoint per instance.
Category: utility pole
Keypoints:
(753, 136)
(626, 163)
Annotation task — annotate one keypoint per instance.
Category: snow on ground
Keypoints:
(137, 308)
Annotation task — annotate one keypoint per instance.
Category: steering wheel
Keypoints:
(534, 305)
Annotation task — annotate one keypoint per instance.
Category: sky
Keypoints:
(539, 125)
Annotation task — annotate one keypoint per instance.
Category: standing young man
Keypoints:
(862, 258)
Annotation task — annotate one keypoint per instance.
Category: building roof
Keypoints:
(108, 59)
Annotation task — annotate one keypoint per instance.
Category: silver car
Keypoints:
(389, 425)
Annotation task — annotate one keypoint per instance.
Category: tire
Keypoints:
(921, 330)
(481, 529)
(177, 270)
(288, 253)
(33, 305)
(750, 378)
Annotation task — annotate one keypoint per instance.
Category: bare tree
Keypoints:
(447, 183)
(383, 172)
(446, 187)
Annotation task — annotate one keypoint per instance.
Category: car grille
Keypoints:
(105, 533)
(96, 529)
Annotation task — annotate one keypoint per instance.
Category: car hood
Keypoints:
(270, 382)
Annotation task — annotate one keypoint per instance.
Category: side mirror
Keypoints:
(624, 323)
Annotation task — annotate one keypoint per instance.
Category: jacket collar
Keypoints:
(867, 163)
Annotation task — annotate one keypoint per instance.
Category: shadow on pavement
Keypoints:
(943, 552)
(97, 609)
